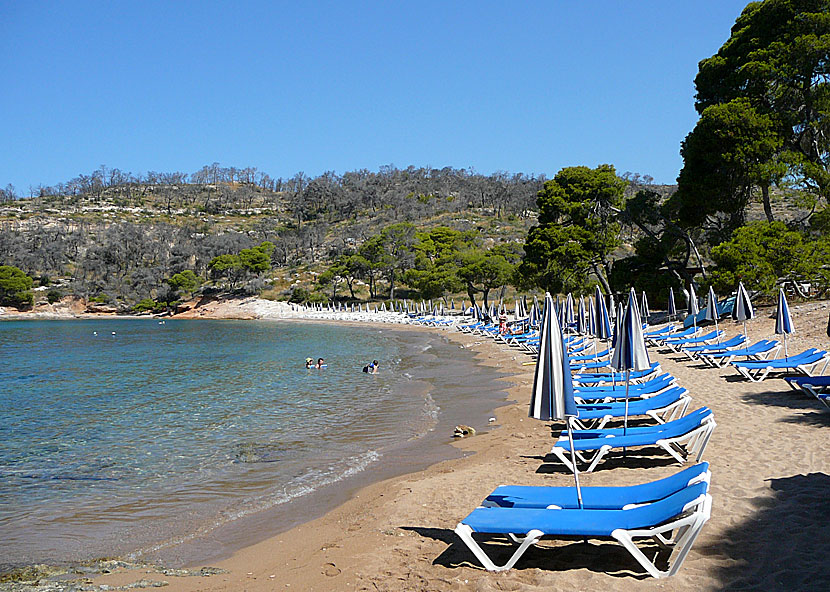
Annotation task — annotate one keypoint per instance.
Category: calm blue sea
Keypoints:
(130, 437)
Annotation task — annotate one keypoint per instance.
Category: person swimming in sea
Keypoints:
(309, 363)
(372, 368)
(321, 363)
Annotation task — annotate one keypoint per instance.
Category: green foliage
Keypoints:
(15, 286)
(577, 230)
(731, 150)
(777, 59)
(53, 295)
(248, 262)
(483, 271)
(185, 282)
(145, 305)
(762, 254)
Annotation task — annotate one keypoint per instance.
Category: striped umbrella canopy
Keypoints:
(612, 308)
(630, 352)
(525, 310)
(644, 307)
(603, 328)
(694, 309)
(828, 326)
(672, 306)
(517, 313)
(712, 313)
(570, 318)
(553, 395)
(581, 325)
(592, 317)
(783, 320)
(742, 311)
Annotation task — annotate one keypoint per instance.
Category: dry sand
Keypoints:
(770, 461)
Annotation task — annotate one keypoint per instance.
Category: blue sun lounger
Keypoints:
(683, 513)
(659, 339)
(678, 344)
(590, 357)
(596, 378)
(608, 393)
(757, 351)
(817, 386)
(695, 350)
(805, 363)
(595, 498)
(680, 438)
(667, 406)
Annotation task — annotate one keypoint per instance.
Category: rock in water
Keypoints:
(462, 431)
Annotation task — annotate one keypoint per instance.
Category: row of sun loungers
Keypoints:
(671, 511)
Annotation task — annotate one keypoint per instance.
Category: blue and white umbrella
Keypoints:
(581, 325)
(569, 313)
(742, 311)
(828, 326)
(592, 317)
(712, 313)
(612, 308)
(603, 328)
(672, 306)
(694, 310)
(644, 308)
(553, 394)
(783, 320)
(630, 351)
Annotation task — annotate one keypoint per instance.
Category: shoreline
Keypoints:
(769, 455)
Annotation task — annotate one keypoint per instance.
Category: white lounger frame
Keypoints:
(688, 526)
(760, 374)
(680, 448)
(672, 411)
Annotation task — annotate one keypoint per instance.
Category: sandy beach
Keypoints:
(770, 462)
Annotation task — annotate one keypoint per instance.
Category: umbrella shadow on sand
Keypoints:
(559, 555)
(784, 545)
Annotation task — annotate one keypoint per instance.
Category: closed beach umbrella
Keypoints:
(452, 304)
(828, 326)
(712, 313)
(518, 312)
(553, 395)
(569, 312)
(693, 307)
(644, 308)
(630, 352)
(672, 306)
(742, 311)
(592, 317)
(603, 328)
(612, 308)
(581, 327)
(783, 320)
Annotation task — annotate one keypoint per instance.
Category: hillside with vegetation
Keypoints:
(750, 205)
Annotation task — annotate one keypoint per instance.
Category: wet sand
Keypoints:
(770, 461)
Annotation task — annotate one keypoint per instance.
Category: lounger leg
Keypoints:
(466, 534)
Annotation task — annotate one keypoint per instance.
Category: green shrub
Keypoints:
(53, 295)
(15, 287)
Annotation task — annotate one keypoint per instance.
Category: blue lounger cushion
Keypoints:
(597, 498)
(584, 522)
(674, 521)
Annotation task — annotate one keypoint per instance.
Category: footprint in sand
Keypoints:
(331, 570)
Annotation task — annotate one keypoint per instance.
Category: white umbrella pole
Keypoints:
(717, 330)
(625, 420)
(745, 336)
(573, 461)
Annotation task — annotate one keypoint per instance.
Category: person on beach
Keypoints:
(321, 363)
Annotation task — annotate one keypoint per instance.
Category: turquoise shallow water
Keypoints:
(125, 436)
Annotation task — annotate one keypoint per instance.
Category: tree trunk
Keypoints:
(767, 206)
(601, 277)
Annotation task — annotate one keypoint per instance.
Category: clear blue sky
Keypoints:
(292, 86)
